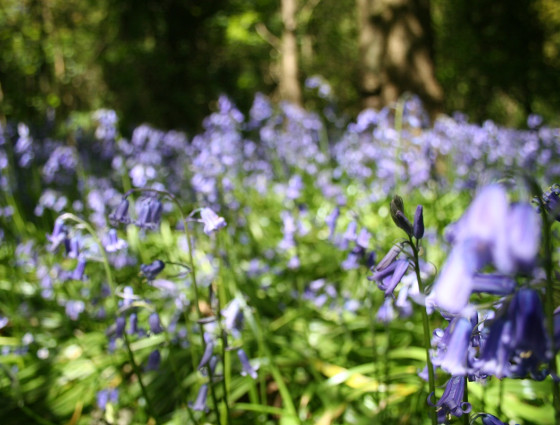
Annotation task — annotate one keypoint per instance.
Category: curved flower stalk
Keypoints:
(149, 216)
(119, 324)
(390, 271)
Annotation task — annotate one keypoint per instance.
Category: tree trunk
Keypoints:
(396, 52)
(289, 82)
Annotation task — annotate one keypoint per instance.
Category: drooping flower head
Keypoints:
(200, 403)
(491, 232)
(517, 344)
(211, 220)
(451, 402)
(453, 349)
(149, 212)
(248, 369)
(120, 215)
(153, 269)
(551, 199)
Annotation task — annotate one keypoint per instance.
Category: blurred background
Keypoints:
(166, 61)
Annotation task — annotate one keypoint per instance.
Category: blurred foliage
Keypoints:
(496, 58)
(166, 62)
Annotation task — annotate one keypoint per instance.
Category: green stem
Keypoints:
(37, 418)
(191, 260)
(109, 275)
(222, 301)
(426, 329)
(549, 303)
(375, 373)
(256, 328)
(500, 397)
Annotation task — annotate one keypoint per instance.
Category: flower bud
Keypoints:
(418, 229)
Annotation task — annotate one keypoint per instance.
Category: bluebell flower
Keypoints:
(331, 221)
(418, 226)
(78, 272)
(496, 351)
(523, 229)
(495, 284)
(211, 220)
(200, 403)
(233, 317)
(149, 212)
(389, 277)
(61, 165)
(132, 324)
(403, 304)
(529, 337)
(128, 296)
(293, 262)
(73, 247)
(350, 233)
(120, 326)
(58, 236)
(451, 402)
(112, 242)
(207, 355)
(352, 261)
(534, 121)
(488, 419)
(551, 200)
(260, 110)
(288, 232)
(453, 351)
(155, 324)
(490, 233)
(295, 186)
(150, 271)
(517, 344)
(154, 360)
(74, 308)
(453, 286)
(120, 215)
(386, 312)
(106, 396)
(371, 259)
(389, 258)
(363, 238)
(247, 368)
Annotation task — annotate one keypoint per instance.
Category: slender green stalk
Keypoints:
(426, 328)
(256, 328)
(375, 373)
(36, 418)
(549, 302)
(213, 392)
(111, 282)
(222, 301)
(386, 369)
(500, 397)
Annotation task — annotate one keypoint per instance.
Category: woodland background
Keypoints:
(167, 61)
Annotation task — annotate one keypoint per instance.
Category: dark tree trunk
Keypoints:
(289, 82)
(396, 52)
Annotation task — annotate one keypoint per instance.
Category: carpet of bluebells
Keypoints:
(287, 267)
